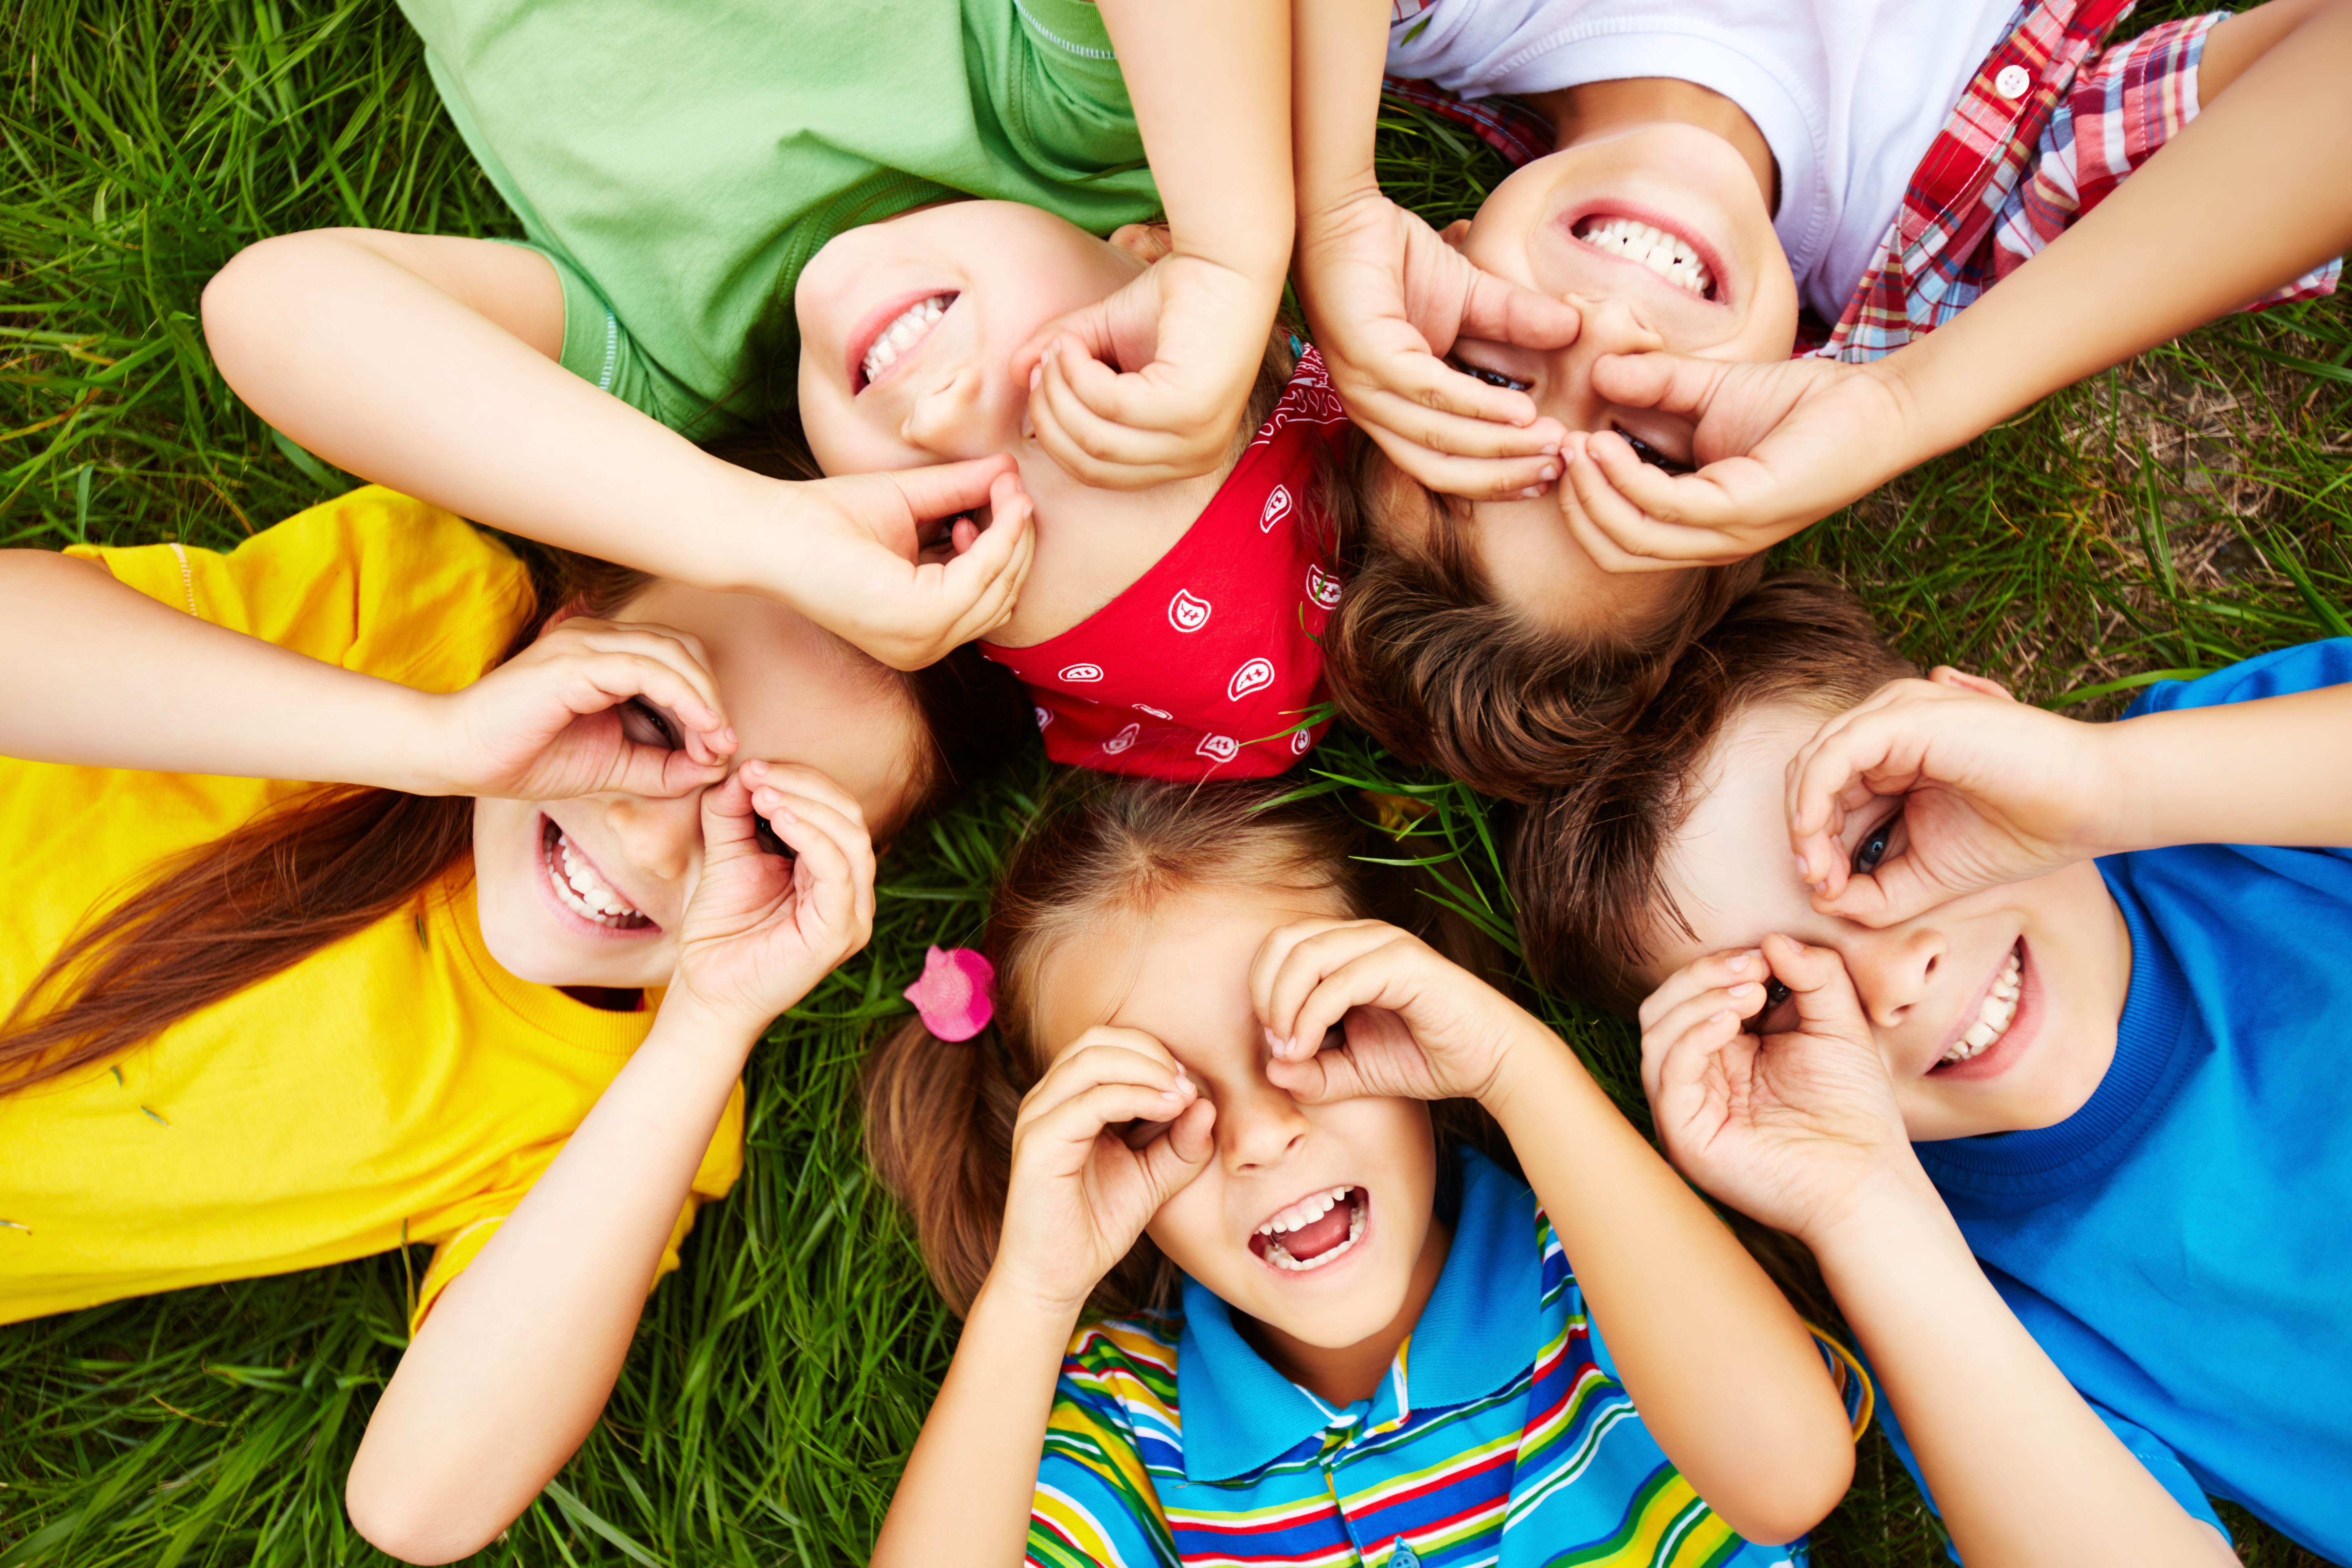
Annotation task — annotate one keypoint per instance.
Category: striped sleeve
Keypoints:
(1095, 1506)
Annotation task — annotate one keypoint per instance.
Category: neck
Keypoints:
(1343, 1374)
(1093, 544)
(1601, 109)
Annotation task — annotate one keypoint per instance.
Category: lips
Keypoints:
(1314, 1232)
(891, 333)
(579, 887)
(1626, 231)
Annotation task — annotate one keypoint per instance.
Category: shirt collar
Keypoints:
(1480, 1329)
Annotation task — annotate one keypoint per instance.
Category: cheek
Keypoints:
(1189, 1229)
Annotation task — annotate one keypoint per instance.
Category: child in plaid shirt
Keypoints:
(1733, 180)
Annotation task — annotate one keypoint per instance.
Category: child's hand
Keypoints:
(761, 930)
(1195, 332)
(1359, 1007)
(1992, 792)
(851, 562)
(1780, 445)
(1111, 1132)
(1796, 1128)
(1387, 298)
(569, 716)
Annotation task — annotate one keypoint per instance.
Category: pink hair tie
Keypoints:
(956, 996)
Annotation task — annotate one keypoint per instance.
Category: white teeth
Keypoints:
(1993, 1018)
(904, 332)
(1303, 1212)
(582, 890)
(1654, 249)
(1280, 1258)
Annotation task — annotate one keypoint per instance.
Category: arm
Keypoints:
(1726, 1377)
(424, 363)
(511, 1370)
(1996, 792)
(1802, 1131)
(1078, 1202)
(1210, 86)
(1386, 296)
(2220, 215)
(105, 677)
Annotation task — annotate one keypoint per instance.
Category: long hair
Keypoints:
(938, 1117)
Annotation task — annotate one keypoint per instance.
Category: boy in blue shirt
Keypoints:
(2068, 997)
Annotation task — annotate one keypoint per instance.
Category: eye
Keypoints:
(647, 725)
(1655, 457)
(765, 838)
(1778, 1016)
(1491, 377)
(1875, 845)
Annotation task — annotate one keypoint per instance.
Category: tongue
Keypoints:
(1315, 1239)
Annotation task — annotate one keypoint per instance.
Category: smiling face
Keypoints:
(909, 326)
(1313, 1221)
(588, 892)
(1994, 1013)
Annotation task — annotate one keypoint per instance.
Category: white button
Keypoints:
(2012, 81)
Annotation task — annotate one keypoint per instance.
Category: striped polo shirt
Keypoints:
(1500, 1435)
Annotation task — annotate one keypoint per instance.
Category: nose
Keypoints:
(950, 416)
(658, 838)
(1610, 327)
(1893, 971)
(1257, 1126)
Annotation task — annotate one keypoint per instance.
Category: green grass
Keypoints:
(2182, 511)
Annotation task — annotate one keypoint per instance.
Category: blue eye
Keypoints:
(1491, 377)
(1873, 849)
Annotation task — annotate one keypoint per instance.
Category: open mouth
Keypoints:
(1994, 1013)
(1313, 1233)
(581, 888)
(895, 338)
(1670, 255)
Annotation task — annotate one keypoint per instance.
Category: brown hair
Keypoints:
(1422, 656)
(938, 1117)
(1586, 859)
(334, 860)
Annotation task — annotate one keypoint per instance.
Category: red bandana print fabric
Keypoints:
(1208, 665)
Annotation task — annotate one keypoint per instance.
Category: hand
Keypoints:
(1195, 332)
(1359, 1007)
(1387, 298)
(551, 724)
(1992, 792)
(1796, 1129)
(853, 561)
(1084, 1182)
(761, 930)
(1780, 446)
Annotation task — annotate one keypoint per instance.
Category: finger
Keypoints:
(1473, 478)
(1628, 542)
(1503, 312)
(1717, 969)
(1698, 501)
(983, 583)
(1711, 1044)
(1670, 383)
(1426, 402)
(1079, 1120)
(608, 666)
(836, 841)
(799, 778)
(1108, 1056)
(1321, 1078)
(1128, 448)
(945, 489)
(1294, 964)
(656, 773)
(1644, 511)
(1171, 1162)
(1817, 979)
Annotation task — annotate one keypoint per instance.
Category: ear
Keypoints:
(1959, 680)
(561, 614)
(1455, 233)
(1147, 242)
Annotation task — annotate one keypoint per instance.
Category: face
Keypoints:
(1309, 1219)
(1994, 1013)
(1659, 235)
(589, 891)
(908, 328)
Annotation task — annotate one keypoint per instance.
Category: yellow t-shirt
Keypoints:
(395, 1086)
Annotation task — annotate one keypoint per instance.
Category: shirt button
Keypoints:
(2012, 81)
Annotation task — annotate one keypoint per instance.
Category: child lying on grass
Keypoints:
(1718, 164)
(919, 228)
(366, 892)
(2068, 996)
(1212, 1057)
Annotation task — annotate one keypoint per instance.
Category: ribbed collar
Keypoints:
(450, 914)
(2010, 1171)
(1481, 1328)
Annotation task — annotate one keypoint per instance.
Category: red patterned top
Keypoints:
(1209, 663)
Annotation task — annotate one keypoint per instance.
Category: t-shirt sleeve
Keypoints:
(1095, 1503)
(2159, 1461)
(2307, 667)
(601, 351)
(722, 1164)
(370, 581)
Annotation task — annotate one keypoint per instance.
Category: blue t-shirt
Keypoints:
(2178, 1244)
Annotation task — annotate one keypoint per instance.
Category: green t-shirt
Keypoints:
(679, 164)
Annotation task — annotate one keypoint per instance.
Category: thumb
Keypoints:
(1669, 383)
(1502, 311)
(656, 773)
(947, 489)
(1169, 1163)
(1817, 980)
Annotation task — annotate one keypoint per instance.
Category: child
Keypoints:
(1209, 1060)
(798, 176)
(1717, 167)
(256, 1025)
(2055, 957)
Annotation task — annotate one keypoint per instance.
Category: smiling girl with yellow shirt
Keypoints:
(489, 984)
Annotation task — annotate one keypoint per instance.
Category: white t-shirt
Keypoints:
(1848, 93)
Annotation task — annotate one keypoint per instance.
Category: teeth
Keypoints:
(904, 332)
(1303, 1212)
(582, 891)
(1289, 1265)
(1654, 249)
(1995, 1015)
